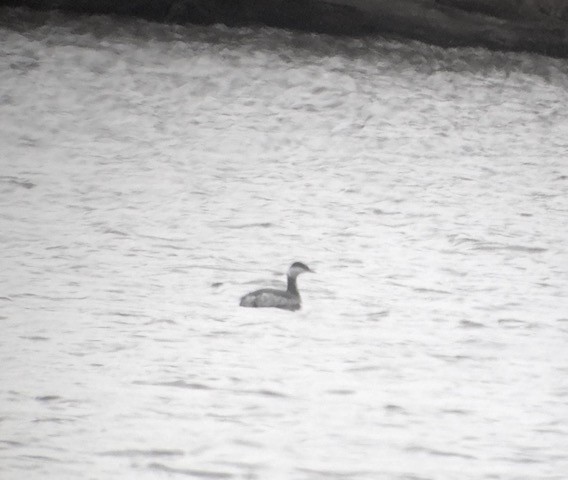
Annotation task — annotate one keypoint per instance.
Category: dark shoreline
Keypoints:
(538, 26)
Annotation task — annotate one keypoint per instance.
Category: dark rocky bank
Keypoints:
(539, 26)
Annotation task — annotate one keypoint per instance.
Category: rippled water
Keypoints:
(151, 175)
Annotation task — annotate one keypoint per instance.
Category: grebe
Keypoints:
(288, 299)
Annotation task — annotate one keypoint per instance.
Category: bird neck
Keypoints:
(292, 287)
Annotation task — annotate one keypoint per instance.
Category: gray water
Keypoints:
(151, 175)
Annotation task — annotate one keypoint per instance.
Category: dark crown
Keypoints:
(301, 265)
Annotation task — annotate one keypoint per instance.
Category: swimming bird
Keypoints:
(288, 299)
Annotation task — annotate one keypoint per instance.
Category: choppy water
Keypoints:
(151, 175)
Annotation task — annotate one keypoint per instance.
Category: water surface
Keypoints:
(151, 175)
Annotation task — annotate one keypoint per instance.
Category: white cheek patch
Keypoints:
(295, 271)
